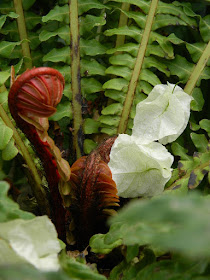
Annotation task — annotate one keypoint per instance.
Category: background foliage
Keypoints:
(148, 244)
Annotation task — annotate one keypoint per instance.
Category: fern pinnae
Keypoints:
(75, 79)
(160, 56)
(23, 33)
(137, 69)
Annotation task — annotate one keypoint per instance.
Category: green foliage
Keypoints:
(7, 147)
(166, 230)
(9, 209)
(12, 221)
(146, 230)
(73, 270)
(27, 272)
(78, 269)
(191, 169)
(131, 269)
(162, 53)
(158, 271)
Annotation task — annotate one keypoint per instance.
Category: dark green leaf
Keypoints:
(90, 126)
(178, 150)
(116, 84)
(6, 134)
(123, 59)
(177, 218)
(115, 95)
(98, 244)
(27, 4)
(4, 99)
(165, 20)
(63, 32)
(132, 252)
(28, 272)
(110, 120)
(121, 71)
(91, 47)
(196, 50)
(198, 101)
(199, 141)
(4, 75)
(191, 171)
(89, 22)
(10, 151)
(89, 145)
(9, 210)
(126, 270)
(63, 110)
(31, 20)
(109, 130)
(58, 55)
(176, 10)
(205, 28)
(180, 67)
(79, 270)
(4, 17)
(90, 85)
(131, 31)
(58, 13)
(113, 109)
(86, 5)
(65, 71)
(6, 48)
(91, 67)
(205, 124)
(148, 76)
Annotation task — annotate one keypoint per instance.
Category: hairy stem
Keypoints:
(122, 22)
(75, 78)
(137, 69)
(23, 33)
(38, 190)
(197, 70)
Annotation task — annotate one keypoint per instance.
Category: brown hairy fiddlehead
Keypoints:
(94, 194)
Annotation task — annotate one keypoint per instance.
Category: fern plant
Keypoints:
(111, 54)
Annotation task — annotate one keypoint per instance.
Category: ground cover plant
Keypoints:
(104, 140)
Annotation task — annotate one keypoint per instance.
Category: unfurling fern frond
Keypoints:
(93, 195)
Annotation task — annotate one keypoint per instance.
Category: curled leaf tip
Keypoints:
(36, 92)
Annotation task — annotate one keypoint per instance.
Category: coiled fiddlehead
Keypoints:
(94, 194)
(32, 99)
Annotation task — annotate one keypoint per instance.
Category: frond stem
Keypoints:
(191, 83)
(122, 22)
(75, 78)
(23, 33)
(137, 69)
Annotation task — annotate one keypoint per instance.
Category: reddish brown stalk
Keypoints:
(32, 98)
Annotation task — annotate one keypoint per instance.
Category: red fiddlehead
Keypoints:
(89, 193)
(32, 99)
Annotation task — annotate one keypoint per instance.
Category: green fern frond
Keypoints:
(160, 61)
